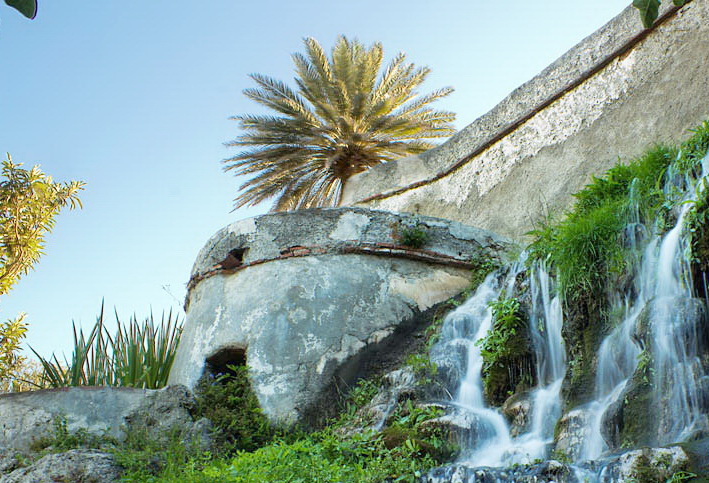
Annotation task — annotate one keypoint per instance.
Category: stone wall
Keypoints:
(308, 299)
(616, 93)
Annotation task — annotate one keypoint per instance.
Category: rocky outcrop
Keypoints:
(571, 431)
(302, 298)
(103, 412)
(85, 466)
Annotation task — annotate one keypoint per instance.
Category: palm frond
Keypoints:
(343, 118)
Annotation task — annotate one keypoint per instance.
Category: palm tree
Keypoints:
(344, 119)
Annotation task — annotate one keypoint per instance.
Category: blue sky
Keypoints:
(133, 98)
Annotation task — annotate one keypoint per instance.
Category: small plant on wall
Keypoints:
(413, 236)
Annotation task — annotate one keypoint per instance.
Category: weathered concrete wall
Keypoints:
(615, 94)
(303, 297)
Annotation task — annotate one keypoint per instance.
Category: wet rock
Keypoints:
(571, 432)
(86, 466)
(396, 386)
(517, 410)
(647, 465)
(544, 472)
(457, 423)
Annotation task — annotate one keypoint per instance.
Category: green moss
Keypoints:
(480, 271)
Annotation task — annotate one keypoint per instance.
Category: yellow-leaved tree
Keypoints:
(29, 203)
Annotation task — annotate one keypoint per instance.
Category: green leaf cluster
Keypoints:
(139, 354)
(12, 332)
(413, 236)
(29, 203)
(229, 402)
(649, 9)
(28, 8)
(500, 344)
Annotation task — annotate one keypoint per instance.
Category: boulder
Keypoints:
(302, 298)
(76, 465)
(26, 417)
(517, 409)
(570, 433)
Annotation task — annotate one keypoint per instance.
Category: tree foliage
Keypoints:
(344, 118)
(29, 203)
(28, 8)
(649, 10)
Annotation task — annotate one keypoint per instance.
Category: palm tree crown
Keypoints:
(343, 119)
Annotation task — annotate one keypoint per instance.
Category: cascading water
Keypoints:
(660, 325)
(490, 442)
(672, 318)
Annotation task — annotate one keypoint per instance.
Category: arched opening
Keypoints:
(224, 360)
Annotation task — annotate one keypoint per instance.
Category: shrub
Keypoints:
(413, 236)
(228, 401)
(138, 355)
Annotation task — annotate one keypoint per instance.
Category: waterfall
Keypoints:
(672, 320)
(658, 324)
(490, 442)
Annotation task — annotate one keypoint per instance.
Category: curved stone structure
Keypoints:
(302, 297)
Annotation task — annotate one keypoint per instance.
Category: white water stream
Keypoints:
(659, 299)
(491, 443)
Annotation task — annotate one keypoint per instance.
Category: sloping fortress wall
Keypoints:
(616, 93)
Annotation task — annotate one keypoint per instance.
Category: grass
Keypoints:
(587, 246)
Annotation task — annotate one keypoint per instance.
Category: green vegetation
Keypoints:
(506, 351)
(649, 9)
(138, 355)
(340, 452)
(229, 402)
(61, 439)
(586, 246)
(29, 203)
(413, 236)
(344, 118)
(28, 8)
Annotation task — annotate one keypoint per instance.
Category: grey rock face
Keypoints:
(303, 297)
(80, 466)
(517, 410)
(571, 431)
(163, 411)
(27, 416)
(101, 411)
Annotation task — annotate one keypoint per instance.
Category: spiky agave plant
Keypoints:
(344, 118)
(140, 354)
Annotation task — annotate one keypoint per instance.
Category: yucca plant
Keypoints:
(138, 355)
(344, 118)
